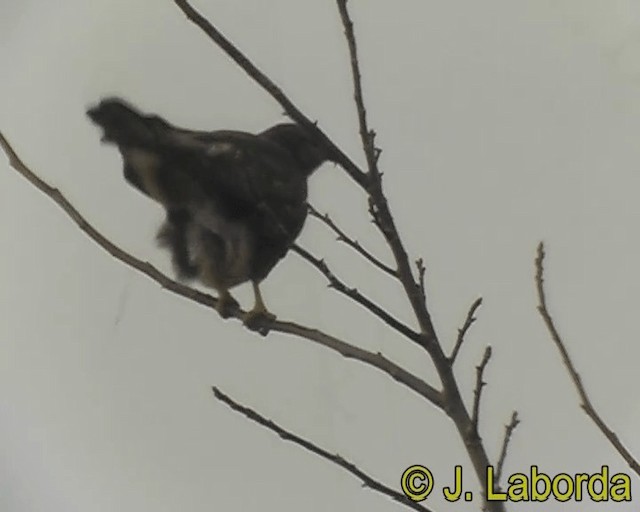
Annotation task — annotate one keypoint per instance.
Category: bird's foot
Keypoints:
(227, 305)
(259, 320)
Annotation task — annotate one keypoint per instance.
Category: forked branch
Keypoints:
(450, 399)
(383, 219)
(355, 295)
(378, 205)
(351, 242)
(347, 350)
(373, 187)
(268, 85)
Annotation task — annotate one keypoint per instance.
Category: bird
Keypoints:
(234, 201)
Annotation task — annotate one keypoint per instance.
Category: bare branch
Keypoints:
(368, 136)
(385, 222)
(268, 85)
(571, 369)
(355, 295)
(94, 234)
(477, 393)
(378, 206)
(463, 330)
(508, 432)
(286, 435)
(383, 219)
(354, 244)
(371, 183)
(376, 360)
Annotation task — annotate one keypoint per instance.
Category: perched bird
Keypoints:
(235, 202)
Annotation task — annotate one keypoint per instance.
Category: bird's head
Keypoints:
(308, 152)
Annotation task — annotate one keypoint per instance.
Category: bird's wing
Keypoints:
(245, 175)
(243, 166)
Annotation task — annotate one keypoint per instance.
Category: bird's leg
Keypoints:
(226, 304)
(259, 317)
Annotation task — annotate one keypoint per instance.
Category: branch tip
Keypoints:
(508, 432)
(586, 404)
(468, 322)
(477, 393)
(337, 459)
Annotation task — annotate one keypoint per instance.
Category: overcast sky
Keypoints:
(502, 123)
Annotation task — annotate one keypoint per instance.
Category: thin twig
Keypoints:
(375, 360)
(571, 369)
(465, 327)
(354, 244)
(355, 295)
(350, 467)
(477, 392)
(367, 135)
(508, 432)
(268, 85)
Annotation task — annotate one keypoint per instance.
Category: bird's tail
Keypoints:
(124, 125)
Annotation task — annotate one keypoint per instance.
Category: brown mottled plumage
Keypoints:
(235, 201)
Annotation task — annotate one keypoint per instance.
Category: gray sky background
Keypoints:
(503, 123)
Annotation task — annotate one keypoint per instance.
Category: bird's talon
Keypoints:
(227, 305)
(259, 320)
